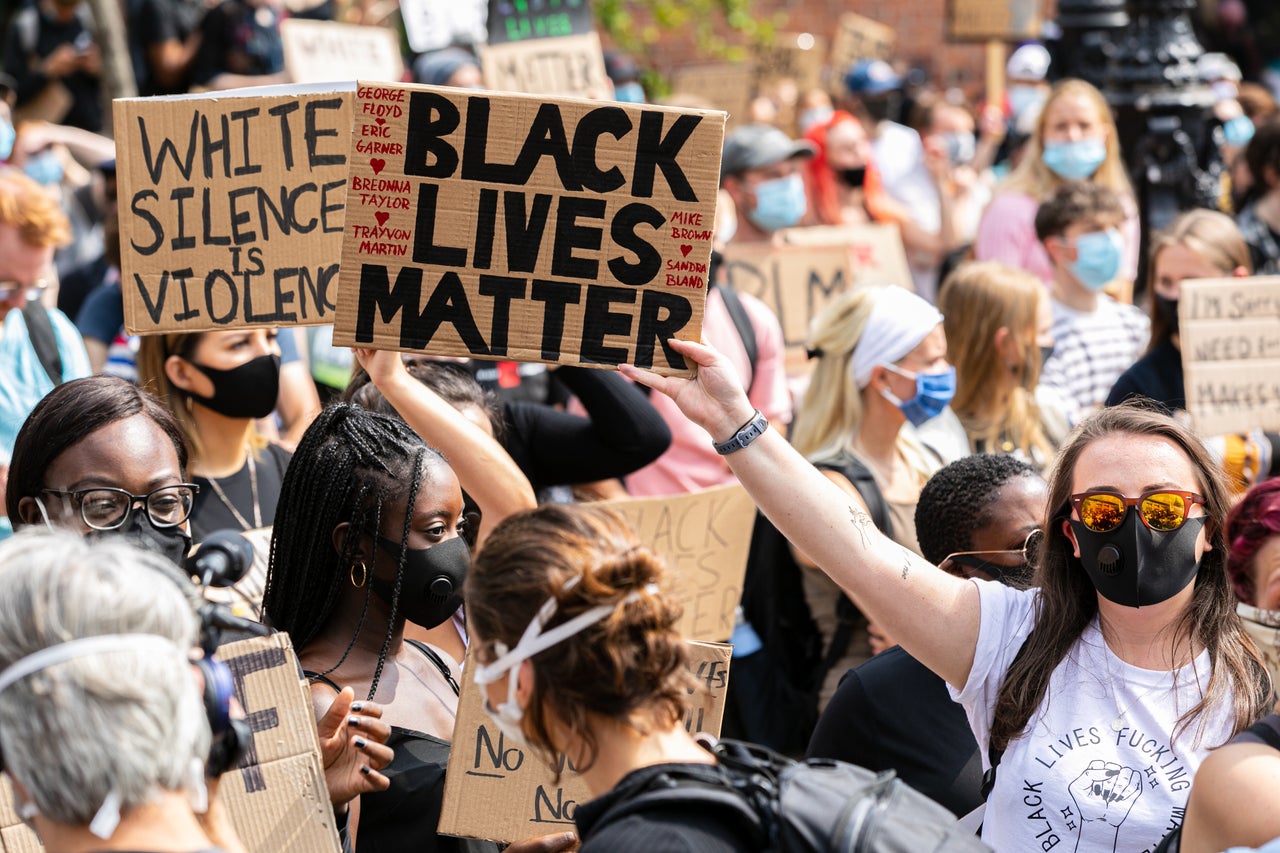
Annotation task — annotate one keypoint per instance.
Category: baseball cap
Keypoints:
(1029, 62)
(758, 146)
(872, 77)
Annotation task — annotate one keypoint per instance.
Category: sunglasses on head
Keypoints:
(1160, 509)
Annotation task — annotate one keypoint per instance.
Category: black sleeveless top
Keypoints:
(403, 818)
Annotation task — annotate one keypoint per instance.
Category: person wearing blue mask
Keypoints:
(760, 171)
(1096, 338)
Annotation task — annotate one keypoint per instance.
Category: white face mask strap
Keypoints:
(44, 514)
(71, 649)
(533, 641)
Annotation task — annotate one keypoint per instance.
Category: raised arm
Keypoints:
(484, 469)
(933, 615)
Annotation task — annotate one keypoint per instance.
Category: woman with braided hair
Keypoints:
(367, 538)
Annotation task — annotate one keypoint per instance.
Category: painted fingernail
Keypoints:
(357, 707)
(361, 743)
(364, 768)
(354, 722)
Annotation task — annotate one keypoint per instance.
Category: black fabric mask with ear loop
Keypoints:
(1135, 566)
(247, 391)
(172, 543)
(431, 589)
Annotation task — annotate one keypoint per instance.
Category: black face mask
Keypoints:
(886, 107)
(1136, 566)
(1018, 577)
(1168, 309)
(431, 589)
(172, 543)
(852, 177)
(247, 391)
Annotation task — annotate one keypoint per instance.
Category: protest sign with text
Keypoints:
(231, 207)
(858, 37)
(513, 227)
(722, 86)
(325, 52)
(1004, 20)
(1229, 332)
(496, 790)
(571, 65)
(436, 24)
(704, 538)
(527, 20)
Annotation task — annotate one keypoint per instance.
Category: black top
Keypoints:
(622, 433)
(31, 38)
(893, 713)
(1157, 376)
(210, 513)
(238, 38)
(1266, 731)
(669, 828)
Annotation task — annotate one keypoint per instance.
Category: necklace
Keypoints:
(1118, 723)
(253, 490)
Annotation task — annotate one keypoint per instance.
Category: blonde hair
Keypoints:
(1037, 180)
(830, 416)
(1211, 235)
(153, 352)
(995, 403)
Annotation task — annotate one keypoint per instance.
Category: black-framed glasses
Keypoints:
(1160, 509)
(999, 571)
(106, 508)
(33, 291)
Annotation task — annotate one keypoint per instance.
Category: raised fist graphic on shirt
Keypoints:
(1104, 794)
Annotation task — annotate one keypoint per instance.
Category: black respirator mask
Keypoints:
(1135, 566)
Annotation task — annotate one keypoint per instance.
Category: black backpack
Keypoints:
(808, 806)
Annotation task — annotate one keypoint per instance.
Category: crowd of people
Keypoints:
(992, 555)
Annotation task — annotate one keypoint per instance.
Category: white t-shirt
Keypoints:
(1096, 772)
(1092, 348)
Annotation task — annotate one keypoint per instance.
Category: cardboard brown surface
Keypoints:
(324, 52)
(1229, 332)
(466, 238)
(704, 538)
(722, 86)
(570, 65)
(858, 37)
(1005, 20)
(797, 57)
(497, 791)
(800, 279)
(231, 207)
(277, 799)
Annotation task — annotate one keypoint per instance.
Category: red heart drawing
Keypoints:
(378, 164)
(381, 216)
(380, 120)
(685, 250)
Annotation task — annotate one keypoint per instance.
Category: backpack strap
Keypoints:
(697, 786)
(43, 339)
(742, 323)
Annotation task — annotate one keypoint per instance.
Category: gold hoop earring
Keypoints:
(364, 575)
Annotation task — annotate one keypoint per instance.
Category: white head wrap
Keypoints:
(899, 321)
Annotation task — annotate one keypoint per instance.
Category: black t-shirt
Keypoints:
(1157, 376)
(239, 38)
(210, 512)
(668, 828)
(22, 55)
(893, 713)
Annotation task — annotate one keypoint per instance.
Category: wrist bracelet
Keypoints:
(746, 434)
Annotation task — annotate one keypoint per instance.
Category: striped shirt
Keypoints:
(1092, 348)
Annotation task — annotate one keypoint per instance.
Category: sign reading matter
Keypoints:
(324, 52)
(495, 790)
(231, 208)
(514, 227)
(1229, 331)
(572, 65)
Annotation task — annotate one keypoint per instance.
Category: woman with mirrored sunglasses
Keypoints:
(1098, 692)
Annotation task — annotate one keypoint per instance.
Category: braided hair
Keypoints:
(350, 465)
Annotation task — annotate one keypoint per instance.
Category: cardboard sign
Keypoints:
(858, 37)
(436, 24)
(800, 279)
(527, 229)
(1002, 20)
(524, 20)
(1229, 331)
(572, 65)
(797, 57)
(704, 538)
(497, 791)
(324, 52)
(231, 207)
(277, 799)
(727, 87)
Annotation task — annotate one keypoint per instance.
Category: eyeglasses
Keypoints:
(105, 508)
(1161, 509)
(33, 291)
(999, 571)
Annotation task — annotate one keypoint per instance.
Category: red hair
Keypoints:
(824, 196)
(1251, 522)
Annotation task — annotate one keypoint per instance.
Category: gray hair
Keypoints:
(125, 721)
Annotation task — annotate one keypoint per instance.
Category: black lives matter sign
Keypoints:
(515, 227)
(231, 208)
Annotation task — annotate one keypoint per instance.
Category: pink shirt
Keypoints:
(1007, 234)
(691, 463)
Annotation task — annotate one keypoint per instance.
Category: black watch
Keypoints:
(746, 434)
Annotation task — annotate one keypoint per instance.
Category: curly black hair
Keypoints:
(958, 500)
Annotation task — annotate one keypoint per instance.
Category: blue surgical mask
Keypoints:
(44, 168)
(1023, 98)
(933, 393)
(7, 137)
(1098, 257)
(629, 93)
(1075, 161)
(961, 147)
(813, 117)
(1238, 131)
(780, 203)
